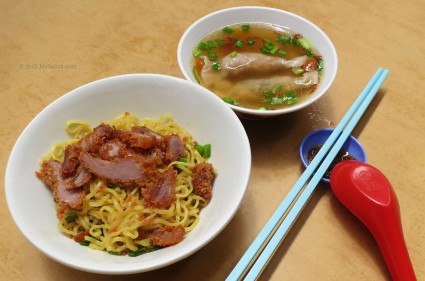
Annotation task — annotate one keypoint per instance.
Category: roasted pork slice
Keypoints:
(174, 148)
(160, 193)
(51, 174)
(126, 170)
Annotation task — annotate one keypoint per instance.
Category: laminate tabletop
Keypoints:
(49, 48)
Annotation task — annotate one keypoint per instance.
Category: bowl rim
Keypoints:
(255, 112)
(136, 267)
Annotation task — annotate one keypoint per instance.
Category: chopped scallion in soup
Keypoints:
(257, 66)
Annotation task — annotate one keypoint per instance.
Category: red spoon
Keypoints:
(367, 193)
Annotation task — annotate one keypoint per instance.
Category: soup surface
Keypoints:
(257, 66)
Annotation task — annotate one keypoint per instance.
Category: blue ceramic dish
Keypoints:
(318, 137)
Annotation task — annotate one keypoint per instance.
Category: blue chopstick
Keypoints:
(355, 112)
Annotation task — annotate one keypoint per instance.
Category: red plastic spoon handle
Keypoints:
(367, 193)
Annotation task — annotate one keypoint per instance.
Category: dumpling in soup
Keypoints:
(257, 66)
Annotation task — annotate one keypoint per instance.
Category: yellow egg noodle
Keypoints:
(113, 215)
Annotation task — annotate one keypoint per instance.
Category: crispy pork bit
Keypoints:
(202, 178)
(167, 236)
(92, 141)
(50, 173)
(161, 193)
(70, 161)
(139, 137)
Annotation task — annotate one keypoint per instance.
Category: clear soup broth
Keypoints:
(257, 66)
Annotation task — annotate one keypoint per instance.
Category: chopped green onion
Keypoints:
(220, 42)
(202, 45)
(230, 101)
(233, 54)
(228, 30)
(269, 47)
(197, 52)
(216, 66)
(283, 39)
(72, 217)
(265, 51)
(276, 88)
(304, 43)
(212, 55)
(195, 75)
(200, 149)
(207, 151)
(250, 42)
(183, 159)
(204, 150)
(309, 53)
(290, 97)
(143, 250)
(320, 65)
(294, 41)
(282, 53)
(276, 100)
(274, 49)
(239, 44)
(245, 26)
(297, 70)
(268, 95)
(263, 108)
(84, 243)
(114, 253)
(211, 44)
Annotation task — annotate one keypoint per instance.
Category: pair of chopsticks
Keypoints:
(265, 244)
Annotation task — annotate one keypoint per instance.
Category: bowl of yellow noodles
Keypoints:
(128, 174)
(261, 61)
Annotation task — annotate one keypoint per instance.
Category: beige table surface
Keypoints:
(90, 40)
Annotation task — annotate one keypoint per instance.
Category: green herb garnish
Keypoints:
(297, 70)
(203, 46)
(197, 52)
(143, 250)
(272, 96)
(250, 42)
(230, 101)
(71, 217)
(283, 39)
(204, 150)
(282, 53)
(320, 65)
(220, 42)
(239, 44)
(245, 26)
(228, 30)
(84, 243)
(207, 151)
(216, 66)
(115, 253)
(212, 55)
(195, 75)
(290, 97)
(269, 47)
(304, 43)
